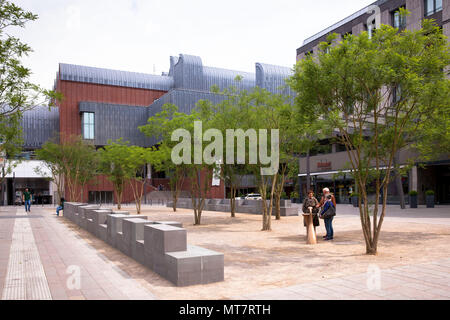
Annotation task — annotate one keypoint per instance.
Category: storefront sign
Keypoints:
(324, 166)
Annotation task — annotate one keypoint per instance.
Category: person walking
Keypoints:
(311, 202)
(27, 200)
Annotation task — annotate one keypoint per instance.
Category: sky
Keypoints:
(141, 35)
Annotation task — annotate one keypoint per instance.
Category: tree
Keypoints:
(264, 118)
(161, 125)
(75, 159)
(135, 163)
(112, 164)
(353, 87)
(53, 157)
(161, 161)
(17, 93)
(230, 113)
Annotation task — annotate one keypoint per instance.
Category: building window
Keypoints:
(87, 125)
(432, 6)
(399, 20)
(396, 94)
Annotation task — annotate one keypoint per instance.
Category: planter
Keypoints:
(413, 201)
(355, 202)
(430, 201)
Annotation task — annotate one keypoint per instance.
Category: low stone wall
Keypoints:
(159, 245)
(242, 206)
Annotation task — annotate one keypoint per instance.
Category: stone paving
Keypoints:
(426, 281)
(63, 257)
(41, 256)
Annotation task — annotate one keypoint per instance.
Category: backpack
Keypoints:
(331, 212)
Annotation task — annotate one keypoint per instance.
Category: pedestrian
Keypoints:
(27, 200)
(326, 192)
(328, 212)
(311, 202)
(60, 207)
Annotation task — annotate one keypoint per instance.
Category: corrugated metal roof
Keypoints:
(71, 72)
(273, 78)
(39, 125)
(225, 78)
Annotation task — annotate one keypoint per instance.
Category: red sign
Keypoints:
(324, 166)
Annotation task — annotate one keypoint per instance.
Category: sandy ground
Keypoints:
(256, 261)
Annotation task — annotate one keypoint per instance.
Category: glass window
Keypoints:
(399, 20)
(87, 125)
(432, 6)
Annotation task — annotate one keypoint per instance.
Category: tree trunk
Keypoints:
(174, 200)
(277, 206)
(233, 201)
(119, 199)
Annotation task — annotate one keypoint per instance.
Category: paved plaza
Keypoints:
(47, 257)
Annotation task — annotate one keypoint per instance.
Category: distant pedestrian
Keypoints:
(60, 207)
(27, 200)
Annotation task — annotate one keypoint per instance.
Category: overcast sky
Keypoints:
(140, 35)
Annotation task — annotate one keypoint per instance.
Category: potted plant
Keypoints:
(430, 198)
(294, 197)
(413, 199)
(354, 196)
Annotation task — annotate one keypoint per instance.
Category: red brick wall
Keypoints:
(74, 92)
(70, 123)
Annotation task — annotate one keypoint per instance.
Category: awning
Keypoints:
(335, 172)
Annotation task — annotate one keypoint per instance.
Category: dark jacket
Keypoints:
(311, 203)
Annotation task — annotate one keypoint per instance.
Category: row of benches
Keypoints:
(159, 245)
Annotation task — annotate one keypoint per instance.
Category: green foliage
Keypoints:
(378, 95)
(429, 192)
(73, 159)
(122, 163)
(17, 93)
(413, 193)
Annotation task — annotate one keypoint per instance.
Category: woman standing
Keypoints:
(311, 201)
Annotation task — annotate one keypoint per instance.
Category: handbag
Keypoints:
(331, 212)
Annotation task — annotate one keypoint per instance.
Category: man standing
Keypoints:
(27, 200)
(327, 200)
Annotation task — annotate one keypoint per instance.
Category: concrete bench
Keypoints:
(70, 209)
(132, 230)
(194, 266)
(114, 227)
(170, 223)
(159, 245)
(160, 239)
(82, 216)
(96, 217)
